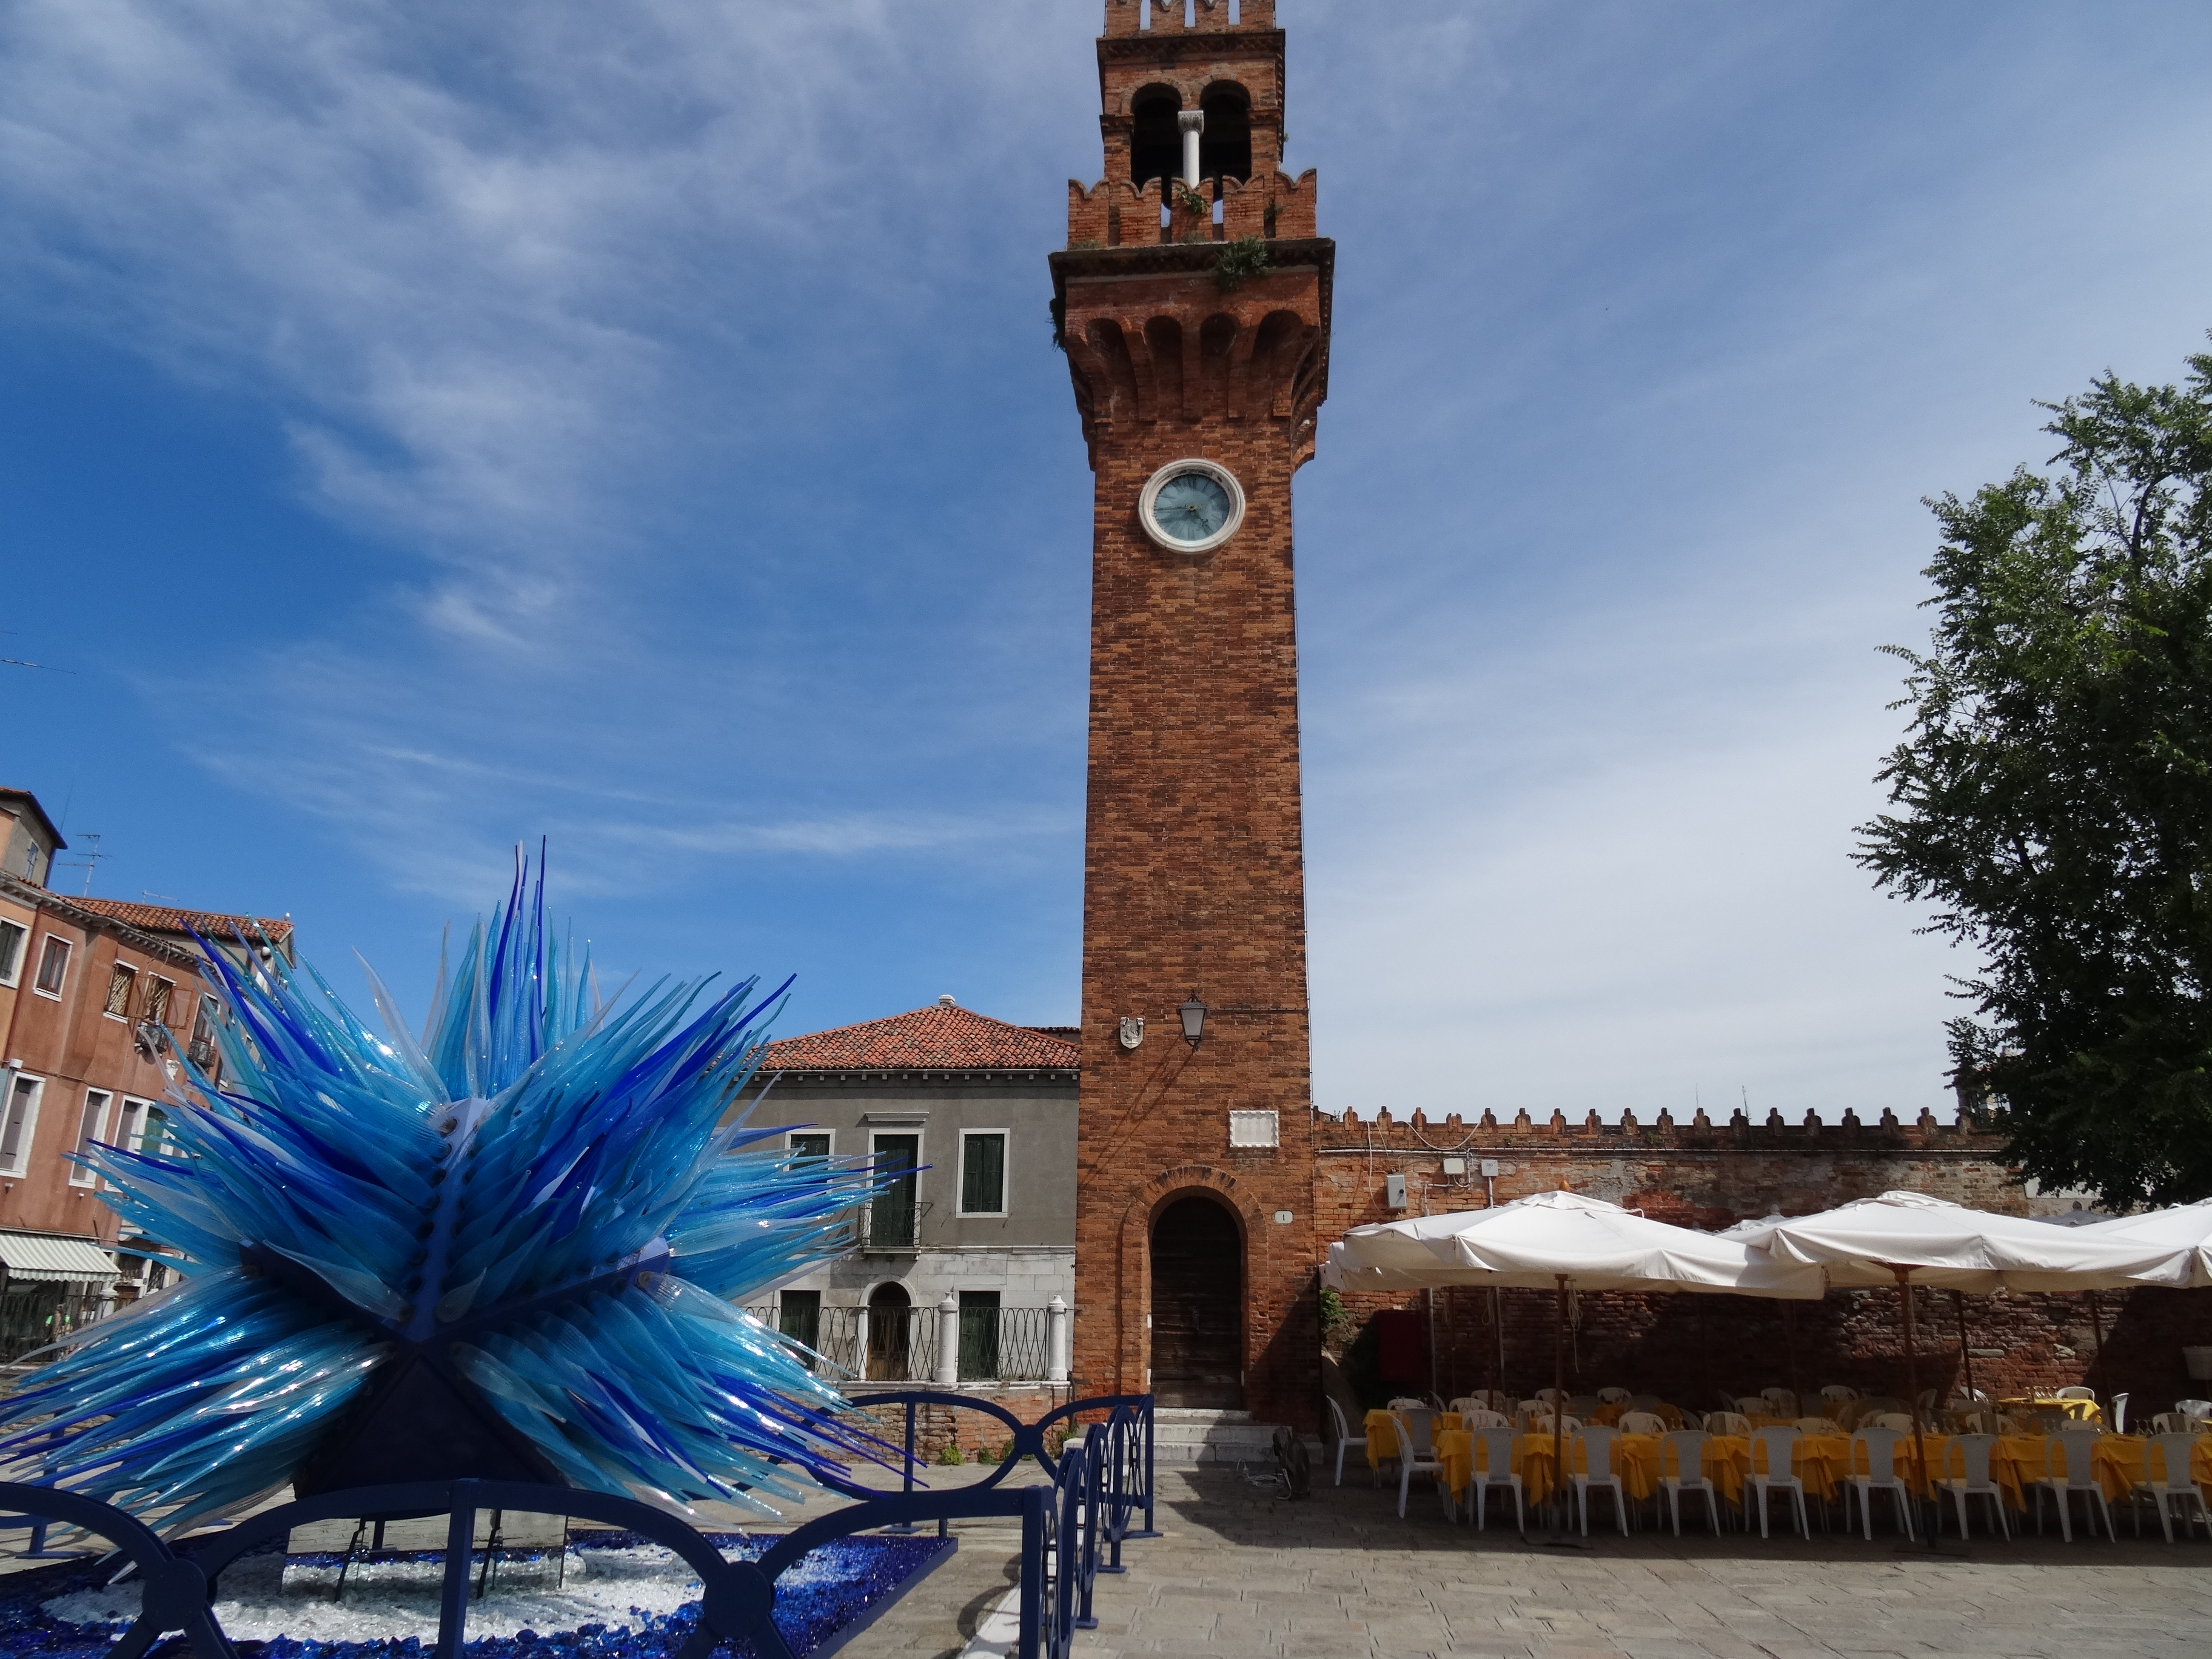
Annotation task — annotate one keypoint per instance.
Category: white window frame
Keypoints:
(92, 1125)
(128, 975)
(131, 1126)
(68, 948)
(1006, 1175)
(14, 975)
(791, 1137)
(30, 1130)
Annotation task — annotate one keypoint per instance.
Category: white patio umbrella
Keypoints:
(2185, 1226)
(1561, 1241)
(1908, 1238)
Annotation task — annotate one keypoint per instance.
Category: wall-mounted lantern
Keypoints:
(1193, 1020)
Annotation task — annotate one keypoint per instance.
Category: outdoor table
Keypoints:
(1382, 1442)
(1818, 1459)
(2082, 1411)
(1532, 1461)
(2117, 1461)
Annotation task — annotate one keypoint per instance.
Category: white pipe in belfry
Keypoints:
(1191, 122)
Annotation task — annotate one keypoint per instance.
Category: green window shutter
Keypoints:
(983, 1174)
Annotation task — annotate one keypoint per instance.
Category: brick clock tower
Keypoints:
(1193, 299)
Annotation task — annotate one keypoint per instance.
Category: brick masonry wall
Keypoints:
(1692, 1348)
(1193, 872)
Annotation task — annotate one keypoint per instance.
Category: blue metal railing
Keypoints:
(1131, 1449)
(1097, 1485)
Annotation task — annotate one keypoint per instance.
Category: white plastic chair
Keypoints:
(2169, 1422)
(1642, 1423)
(1407, 1402)
(1818, 1425)
(1752, 1405)
(2068, 1471)
(1643, 1402)
(1780, 1475)
(2075, 1391)
(1416, 1456)
(2119, 1412)
(1727, 1423)
(1483, 1417)
(1881, 1475)
(1467, 1403)
(1546, 1396)
(2166, 1481)
(1974, 1451)
(1780, 1402)
(1838, 1392)
(1613, 1396)
(1891, 1422)
(1494, 1468)
(1689, 1476)
(1598, 1471)
(1345, 1439)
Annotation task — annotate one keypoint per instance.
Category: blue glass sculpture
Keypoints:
(507, 1252)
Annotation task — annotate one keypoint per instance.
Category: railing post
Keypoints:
(948, 1341)
(454, 1598)
(1056, 1345)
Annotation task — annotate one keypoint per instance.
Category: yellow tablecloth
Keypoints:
(1383, 1442)
(1460, 1453)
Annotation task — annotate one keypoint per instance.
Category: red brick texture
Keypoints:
(1194, 868)
(1693, 1348)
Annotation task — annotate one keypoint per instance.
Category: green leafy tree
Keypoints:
(2053, 795)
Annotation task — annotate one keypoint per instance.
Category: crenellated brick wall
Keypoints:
(1692, 1348)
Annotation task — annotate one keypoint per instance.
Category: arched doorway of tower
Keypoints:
(890, 1324)
(1198, 1306)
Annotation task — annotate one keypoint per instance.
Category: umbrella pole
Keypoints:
(1912, 1389)
(1966, 1353)
(2097, 1328)
(1560, 1484)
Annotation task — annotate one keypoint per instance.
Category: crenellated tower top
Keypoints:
(1191, 113)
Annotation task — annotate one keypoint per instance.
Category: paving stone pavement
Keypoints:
(1239, 1573)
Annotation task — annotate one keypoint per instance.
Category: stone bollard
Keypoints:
(948, 1341)
(1057, 1332)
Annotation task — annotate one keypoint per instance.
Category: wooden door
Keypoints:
(1198, 1306)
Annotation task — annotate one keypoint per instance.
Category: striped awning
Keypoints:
(55, 1259)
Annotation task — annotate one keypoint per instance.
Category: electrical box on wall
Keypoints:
(1489, 1168)
(1394, 1191)
(1456, 1167)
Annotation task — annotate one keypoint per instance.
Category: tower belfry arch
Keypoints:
(1198, 385)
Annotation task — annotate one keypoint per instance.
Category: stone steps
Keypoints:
(1182, 1436)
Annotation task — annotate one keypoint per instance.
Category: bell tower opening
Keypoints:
(1198, 1306)
(1224, 148)
(1155, 145)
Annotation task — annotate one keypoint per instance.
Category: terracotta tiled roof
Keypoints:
(164, 919)
(941, 1037)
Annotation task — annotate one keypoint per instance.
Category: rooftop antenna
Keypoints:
(18, 662)
(89, 859)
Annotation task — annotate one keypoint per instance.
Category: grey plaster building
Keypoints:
(975, 1118)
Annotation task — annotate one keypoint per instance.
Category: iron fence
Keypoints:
(900, 1345)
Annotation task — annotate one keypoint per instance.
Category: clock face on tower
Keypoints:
(1191, 507)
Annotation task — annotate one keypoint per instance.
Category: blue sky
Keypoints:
(423, 428)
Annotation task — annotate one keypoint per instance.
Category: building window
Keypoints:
(812, 1143)
(53, 965)
(894, 1214)
(158, 992)
(141, 1127)
(12, 935)
(982, 1172)
(979, 1334)
(89, 1131)
(204, 1029)
(19, 1124)
(799, 1317)
(120, 979)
